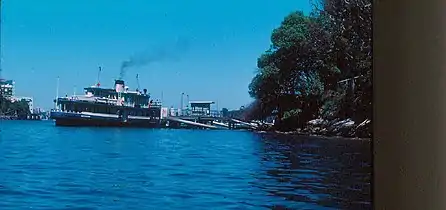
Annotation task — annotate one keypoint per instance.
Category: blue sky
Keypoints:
(42, 40)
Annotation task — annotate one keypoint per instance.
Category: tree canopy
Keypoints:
(17, 108)
(318, 66)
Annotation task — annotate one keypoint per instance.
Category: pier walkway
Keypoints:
(188, 122)
(200, 115)
(208, 122)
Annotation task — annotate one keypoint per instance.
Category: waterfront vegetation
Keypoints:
(319, 66)
(18, 109)
(315, 78)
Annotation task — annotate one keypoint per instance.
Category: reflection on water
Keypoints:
(317, 171)
(47, 167)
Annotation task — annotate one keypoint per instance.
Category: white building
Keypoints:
(7, 87)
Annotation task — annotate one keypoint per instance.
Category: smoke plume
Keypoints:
(155, 54)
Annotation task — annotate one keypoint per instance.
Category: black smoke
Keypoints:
(171, 52)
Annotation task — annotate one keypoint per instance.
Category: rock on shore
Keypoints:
(339, 127)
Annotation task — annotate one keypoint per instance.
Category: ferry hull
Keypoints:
(79, 120)
(103, 123)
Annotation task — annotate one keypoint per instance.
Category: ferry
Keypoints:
(108, 107)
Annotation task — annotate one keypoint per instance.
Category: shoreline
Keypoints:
(307, 133)
(334, 129)
(3, 118)
(297, 133)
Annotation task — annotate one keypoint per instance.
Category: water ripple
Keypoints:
(48, 167)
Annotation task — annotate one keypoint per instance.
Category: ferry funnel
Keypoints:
(119, 85)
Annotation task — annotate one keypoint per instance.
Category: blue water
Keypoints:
(48, 167)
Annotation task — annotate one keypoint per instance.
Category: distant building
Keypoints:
(7, 88)
(7, 91)
(37, 110)
(201, 108)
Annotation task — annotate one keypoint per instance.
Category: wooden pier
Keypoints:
(201, 117)
(204, 122)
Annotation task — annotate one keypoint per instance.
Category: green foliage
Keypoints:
(256, 111)
(298, 77)
(294, 29)
(18, 108)
(332, 103)
(291, 114)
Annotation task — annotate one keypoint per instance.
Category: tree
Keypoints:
(4, 105)
(299, 75)
(351, 25)
(21, 108)
(17, 108)
(288, 79)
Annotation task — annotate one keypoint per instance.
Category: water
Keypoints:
(48, 167)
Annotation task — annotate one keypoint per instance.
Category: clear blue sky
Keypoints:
(71, 38)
